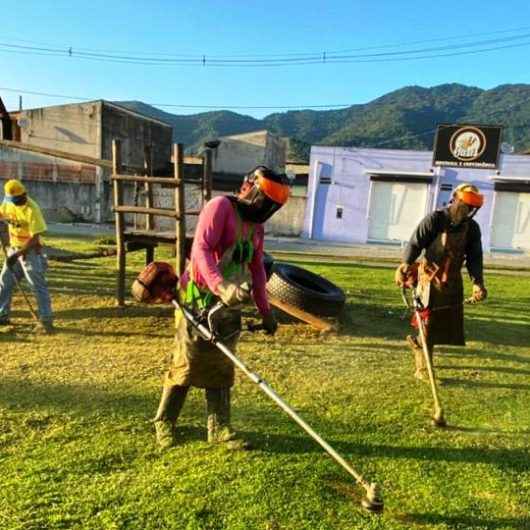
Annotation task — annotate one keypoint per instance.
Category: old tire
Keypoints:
(268, 263)
(305, 290)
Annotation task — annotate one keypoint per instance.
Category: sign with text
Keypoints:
(473, 146)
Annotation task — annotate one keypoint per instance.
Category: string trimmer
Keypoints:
(152, 286)
(438, 419)
(417, 308)
(17, 283)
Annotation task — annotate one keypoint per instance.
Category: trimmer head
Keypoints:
(438, 420)
(373, 502)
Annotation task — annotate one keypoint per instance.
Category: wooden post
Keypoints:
(180, 223)
(119, 220)
(149, 222)
(207, 176)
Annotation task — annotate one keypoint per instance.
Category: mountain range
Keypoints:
(402, 119)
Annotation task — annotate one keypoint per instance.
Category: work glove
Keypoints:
(270, 324)
(479, 293)
(232, 294)
(12, 260)
(401, 275)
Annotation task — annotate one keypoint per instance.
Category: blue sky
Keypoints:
(265, 29)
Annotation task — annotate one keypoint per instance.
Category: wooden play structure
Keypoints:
(129, 237)
(133, 238)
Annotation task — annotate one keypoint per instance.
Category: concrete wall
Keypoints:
(89, 128)
(135, 132)
(240, 153)
(276, 152)
(56, 183)
(348, 172)
(73, 128)
(287, 222)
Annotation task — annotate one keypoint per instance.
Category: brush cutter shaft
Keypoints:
(208, 335)
(428, 363)
(19, 287)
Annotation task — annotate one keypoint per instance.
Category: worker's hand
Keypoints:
(270, 324)
(401, 274)
(232, 294)
(12, 260)
(479, 293)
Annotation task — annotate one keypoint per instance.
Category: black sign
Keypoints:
(473, 146)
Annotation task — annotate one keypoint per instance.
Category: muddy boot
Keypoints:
(218, 410)
(45, 327)
(171, 403)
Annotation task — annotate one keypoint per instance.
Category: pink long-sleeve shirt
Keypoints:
(216, 232)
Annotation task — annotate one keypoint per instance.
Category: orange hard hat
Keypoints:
(469, 194)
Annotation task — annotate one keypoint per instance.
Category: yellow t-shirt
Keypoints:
(24, 221)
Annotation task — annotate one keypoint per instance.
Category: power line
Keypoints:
(322, 58)
(183, 106)
(302, 55)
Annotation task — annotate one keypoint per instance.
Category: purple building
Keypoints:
(358, 195)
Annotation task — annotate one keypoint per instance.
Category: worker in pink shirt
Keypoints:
(226, 260)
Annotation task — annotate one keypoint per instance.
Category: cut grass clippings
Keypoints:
(77, 446)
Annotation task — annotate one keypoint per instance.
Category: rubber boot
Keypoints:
(218, 410)
(171, 403)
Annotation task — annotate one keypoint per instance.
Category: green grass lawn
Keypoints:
(77, 446)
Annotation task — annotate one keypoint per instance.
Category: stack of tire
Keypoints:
(303, 289)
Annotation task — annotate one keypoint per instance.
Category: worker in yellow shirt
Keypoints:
(24, 255)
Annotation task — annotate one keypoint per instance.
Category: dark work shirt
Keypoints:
(435, 223)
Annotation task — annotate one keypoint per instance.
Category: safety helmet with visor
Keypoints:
(262, 194)
(469, 197)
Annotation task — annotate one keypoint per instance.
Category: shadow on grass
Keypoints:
(92, 403)
(133, 311)
(466, 521)
(371, 320)
(483, 354)
(97, 333)
(499, 369)
(451, 381)
(505, 458)
(23, 394)
(479, 431)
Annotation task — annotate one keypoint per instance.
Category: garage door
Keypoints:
(395, 210)
(511, 221)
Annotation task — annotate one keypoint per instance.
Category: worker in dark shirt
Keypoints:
(447, 238)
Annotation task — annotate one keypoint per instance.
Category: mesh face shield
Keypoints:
(468, 197)
(262, 194)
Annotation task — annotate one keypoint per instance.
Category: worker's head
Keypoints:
(465, 203)
(262, 194)
(15, 192)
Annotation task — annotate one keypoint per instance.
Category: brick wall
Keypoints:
(48, 172)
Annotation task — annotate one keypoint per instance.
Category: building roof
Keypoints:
(135, 113)
(250, 133)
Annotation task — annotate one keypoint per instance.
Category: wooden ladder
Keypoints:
(132, 238)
